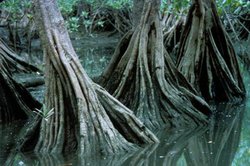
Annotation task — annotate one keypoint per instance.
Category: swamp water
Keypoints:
(225, 141)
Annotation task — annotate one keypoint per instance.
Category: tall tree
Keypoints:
(142, 75)
(206, 56)
(86, 118)
(15, 102)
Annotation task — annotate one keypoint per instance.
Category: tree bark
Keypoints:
(137, 11)
(143, 77)
(206, 56)
(12, 62)
(86, 118)
(15, 102)
(172, 36)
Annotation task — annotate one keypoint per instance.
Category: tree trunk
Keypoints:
(12, 62)
(206, 56)
(15, 101)
(143, 77)
(86, 118)
(172, 36)
(137, 12)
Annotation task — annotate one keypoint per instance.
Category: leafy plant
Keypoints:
(15, 8)
(66, 6)
(72, 24)
(232, 6)
(175, 6)
(44, 112)
(118, 4)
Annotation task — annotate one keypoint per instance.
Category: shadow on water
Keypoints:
(214, 145)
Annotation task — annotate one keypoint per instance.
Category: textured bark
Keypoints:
(137, 11)
(15, 101)
(143, 77)
(12, 62)
(33, 82)
(206, 56)
(244, 22)
(220, 142)
(172, 36)
(86, 118)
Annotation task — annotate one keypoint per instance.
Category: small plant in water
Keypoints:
(44, 112)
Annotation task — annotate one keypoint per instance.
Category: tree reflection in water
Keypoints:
(218, 145)
(214, 145)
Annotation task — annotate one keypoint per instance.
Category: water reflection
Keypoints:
(94, 52)
(168, 152)
(94, 60)
(218, 145)
(214, 145)
(36, 159)
(7, 138)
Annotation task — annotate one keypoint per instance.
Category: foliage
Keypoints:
(232, 6)
(231, 11)
(175, 6)
(44, 112)
(89, 19)
(72, 24)
(118, 4)
(66, 6)
(16, 8)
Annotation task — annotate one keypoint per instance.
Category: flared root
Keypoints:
(143, 77)
(206, 56)
(85, 117)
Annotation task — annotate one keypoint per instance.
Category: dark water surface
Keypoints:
(225, 141)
